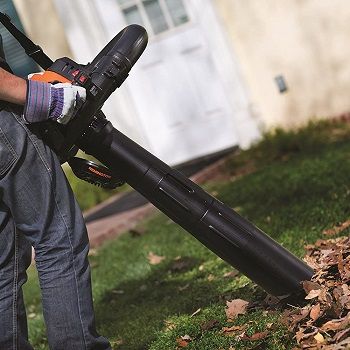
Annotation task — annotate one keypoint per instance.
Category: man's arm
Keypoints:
(12, 88)
(41, 100)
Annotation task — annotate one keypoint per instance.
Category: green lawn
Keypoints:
(297, 186)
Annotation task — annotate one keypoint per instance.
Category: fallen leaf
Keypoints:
(256, 336)
(324, 323)
(231, 274)
(337, 229)
(319, 338)
(230, 331)
(206, 326)
(308, 286)
(314, 293)
(338, 324)
(302, 334)
(340, 335)
(186, 337)
(315, 312)
(182, 343)
(236, 307)
(155, 259)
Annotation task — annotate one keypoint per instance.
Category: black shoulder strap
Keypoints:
(32, 50)
(3, 63)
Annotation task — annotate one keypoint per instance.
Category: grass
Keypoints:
(297, 185)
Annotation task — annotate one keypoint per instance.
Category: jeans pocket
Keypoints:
(8, 154)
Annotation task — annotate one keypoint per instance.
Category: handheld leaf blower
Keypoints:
(218, 227)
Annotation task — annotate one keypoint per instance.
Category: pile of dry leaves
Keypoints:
(324, 322)
(323, 319)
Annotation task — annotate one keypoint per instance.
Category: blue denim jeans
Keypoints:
(38, 208)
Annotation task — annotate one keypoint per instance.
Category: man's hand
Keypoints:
(59, 102)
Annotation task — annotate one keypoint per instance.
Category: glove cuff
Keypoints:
(37, 106)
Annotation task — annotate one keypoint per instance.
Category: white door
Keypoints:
(183, 94)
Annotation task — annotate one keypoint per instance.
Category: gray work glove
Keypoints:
(58, 102)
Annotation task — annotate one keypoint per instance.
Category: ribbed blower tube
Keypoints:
(214, 224)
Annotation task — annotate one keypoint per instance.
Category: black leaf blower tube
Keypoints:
(214, 224)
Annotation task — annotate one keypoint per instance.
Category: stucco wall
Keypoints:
(305, 40)
(43, 25)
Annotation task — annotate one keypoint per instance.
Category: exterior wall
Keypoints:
(307, 41)
(43, 26)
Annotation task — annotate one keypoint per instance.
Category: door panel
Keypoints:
(190, 105)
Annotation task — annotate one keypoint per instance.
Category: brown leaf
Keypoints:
(341, 335)
(311, 262)
(230, 331)
(231, 274)
(206, 326)
(314, 293)
(236, 307)
(315, 312)
(302, 334)
(337, 229)
(183, 341)
(308, 286)
(296, 318)
(324, 323)
(256, 336)
(154, 259)
(337, 324)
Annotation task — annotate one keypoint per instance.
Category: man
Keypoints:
(38, 208)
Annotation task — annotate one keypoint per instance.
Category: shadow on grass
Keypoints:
(132, 313)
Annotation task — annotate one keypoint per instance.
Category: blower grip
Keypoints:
(103, 76)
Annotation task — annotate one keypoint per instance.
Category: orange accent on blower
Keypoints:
(49, 77)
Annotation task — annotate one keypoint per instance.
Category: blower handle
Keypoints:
(105, 74)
